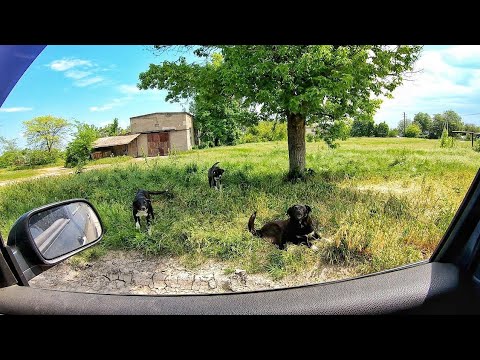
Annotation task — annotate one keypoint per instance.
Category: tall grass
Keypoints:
(381, 202)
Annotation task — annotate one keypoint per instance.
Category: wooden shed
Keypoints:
(116, 146)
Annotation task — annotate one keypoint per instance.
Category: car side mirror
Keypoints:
(50, 234)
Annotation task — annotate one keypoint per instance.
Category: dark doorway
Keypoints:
(158, 143)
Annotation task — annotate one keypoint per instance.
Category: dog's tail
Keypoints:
(218, 162)
(251, 225)
(158, 192)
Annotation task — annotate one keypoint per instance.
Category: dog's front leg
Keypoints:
(314, 235)
(303, 239)
(149, 225)
(136, 219)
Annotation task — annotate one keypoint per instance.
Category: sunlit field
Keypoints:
(377, 202)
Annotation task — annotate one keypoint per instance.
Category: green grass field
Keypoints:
(381, 202)
(11, 174)
(27, 172)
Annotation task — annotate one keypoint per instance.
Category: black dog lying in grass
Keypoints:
(298, 229)
(142, 206)
(215, 176)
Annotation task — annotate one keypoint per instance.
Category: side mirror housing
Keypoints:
(48, 235)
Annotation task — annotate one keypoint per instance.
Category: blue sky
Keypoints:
(95, 84)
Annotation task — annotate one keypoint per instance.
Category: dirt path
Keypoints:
(59, 170)
(121, 272)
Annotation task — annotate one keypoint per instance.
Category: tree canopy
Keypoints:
(79, 149)
(45, 132)
(381, 130)
(300, 83)
(413, 130)
(448, 118)
(424, 121)
(363, 127)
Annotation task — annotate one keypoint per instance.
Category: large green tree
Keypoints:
(45, 132)
(219, 118)
(424, 121)
(403, 125)
(381, 130)
(363, 127)
(79, 149)
(299, 83)
(448, 119)
(112, 129)
(471, 127)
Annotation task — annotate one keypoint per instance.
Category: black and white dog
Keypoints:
(142, 207)
(215, 176)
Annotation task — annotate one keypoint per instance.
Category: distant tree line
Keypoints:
(423, 126)
(430, 127)
(45, 139)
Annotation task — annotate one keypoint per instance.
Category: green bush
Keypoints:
(412, 131)
(476, 145)
(12, 158)
(310, 137)
(41, 157)
(393, 133)
(28, 158)
(445, 140)
(265, 131)
(78, 151)
(381, 130)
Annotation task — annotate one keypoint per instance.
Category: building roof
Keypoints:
(114, 141)
(165, 112)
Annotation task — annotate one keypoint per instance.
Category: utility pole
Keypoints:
(404, 122)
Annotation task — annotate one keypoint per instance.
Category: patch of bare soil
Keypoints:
(122, 272)
(396, 188)
(53, 171)
(60, 170)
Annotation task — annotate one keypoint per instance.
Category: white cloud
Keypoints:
(15, 109)
(128, 89)
(65, 64)
(463, 52)
(101, 108)
(77, 74)
(88, 81)
(110, 105)
(447, 81)
(81, 71)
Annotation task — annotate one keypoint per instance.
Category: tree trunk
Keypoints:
(296, 144)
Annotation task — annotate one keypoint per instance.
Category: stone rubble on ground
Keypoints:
(121, 272)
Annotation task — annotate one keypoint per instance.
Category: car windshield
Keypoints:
(219, 169)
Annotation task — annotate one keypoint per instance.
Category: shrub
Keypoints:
(28, 157)
(12, 158)
(445, 140)
(78, 151)
(381, 130)
(476, 145)
(41, 157)
(412, 131)
(393, 133)
(310, 137)
(265, 131)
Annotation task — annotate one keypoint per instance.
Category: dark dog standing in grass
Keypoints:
(215, 176)
(298, 229)
(142, 206)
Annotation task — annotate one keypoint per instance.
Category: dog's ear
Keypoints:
(290, 211)
(309, 209)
